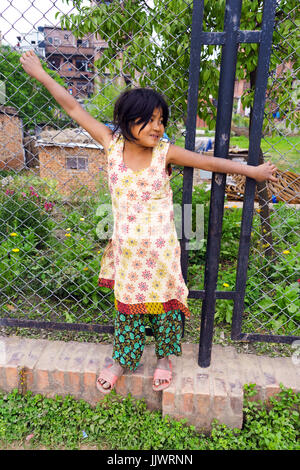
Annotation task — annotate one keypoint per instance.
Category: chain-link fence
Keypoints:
(54, 195)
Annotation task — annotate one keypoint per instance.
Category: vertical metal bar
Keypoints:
(222, 137)
(253, 156)
(193, 90)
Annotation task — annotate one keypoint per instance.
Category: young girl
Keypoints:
(142, 260)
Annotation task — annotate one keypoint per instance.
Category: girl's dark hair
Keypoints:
(136, 106)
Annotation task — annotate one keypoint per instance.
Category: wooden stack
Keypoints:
(286, 189)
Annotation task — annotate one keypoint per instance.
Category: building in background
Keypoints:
(32, 40)
(12, 156)
(73, 59)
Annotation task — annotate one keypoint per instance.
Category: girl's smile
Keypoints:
(152, 132)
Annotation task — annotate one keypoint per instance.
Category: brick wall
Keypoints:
(11, 139)
(54, 165)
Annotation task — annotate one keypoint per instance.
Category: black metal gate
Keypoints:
(229, 39)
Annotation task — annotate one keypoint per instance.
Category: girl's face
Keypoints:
(152, 132)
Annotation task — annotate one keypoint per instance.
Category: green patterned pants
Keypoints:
(130, 336)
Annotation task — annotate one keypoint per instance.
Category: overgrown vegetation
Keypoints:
(50, 252)
(123, 423)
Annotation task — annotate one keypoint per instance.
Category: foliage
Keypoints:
(267, 426)
(150, 45)
(33, 102)
(58, 254)
(14, 260)
(101, 104)
(25, 210)
(278, 308)
(124, 423)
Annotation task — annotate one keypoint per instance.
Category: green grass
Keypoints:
(124, 423)
(283, 151)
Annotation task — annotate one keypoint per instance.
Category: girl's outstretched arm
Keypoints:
(183, 157)
(32, 65)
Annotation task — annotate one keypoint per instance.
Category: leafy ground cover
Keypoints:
(122, 423)
(50, 256)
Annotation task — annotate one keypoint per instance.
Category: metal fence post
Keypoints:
(222, 137)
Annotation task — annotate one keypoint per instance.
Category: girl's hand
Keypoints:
(265, 172)
(32, 65)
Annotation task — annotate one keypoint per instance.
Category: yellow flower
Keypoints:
(85, 269)
(132, 242)
(15, 250)
(126, 181)
(156, 285)
(82, 218)
(286, 252)
(127, 253)
(167, 254)
(118, 192)
(98, 252)
(68, 229)
(172, 240)
(82, 239)
(234, 206)
(153, 296)
(258, 210)
(226, 207)
(13, 234)
(225, 284)
(265, 245)
(161, 272)
(67, 235)
(138, 229)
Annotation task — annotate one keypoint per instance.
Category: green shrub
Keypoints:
(124, 423)
(25, 210)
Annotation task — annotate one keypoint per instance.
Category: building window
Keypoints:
(82, 65)
(82, 43)
(57, 41)
(77, 163)
(54, 63)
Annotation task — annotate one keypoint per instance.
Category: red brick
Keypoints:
(202, 405)
(202, 396)
(73, 382)
(58, 381)
(11, 139)
(168, 399)
(220, 398)
(187, 402)
(136, 385)
(28, 378)
(53, 162)
(121, 386)
(89, 380)
(12, 378)
(42, 381)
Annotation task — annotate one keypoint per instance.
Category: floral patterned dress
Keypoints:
(142, 260)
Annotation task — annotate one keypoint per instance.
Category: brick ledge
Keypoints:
(197, 394)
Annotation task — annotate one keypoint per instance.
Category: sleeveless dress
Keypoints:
(142, 259)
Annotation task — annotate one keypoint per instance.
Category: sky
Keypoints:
(22, 16)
